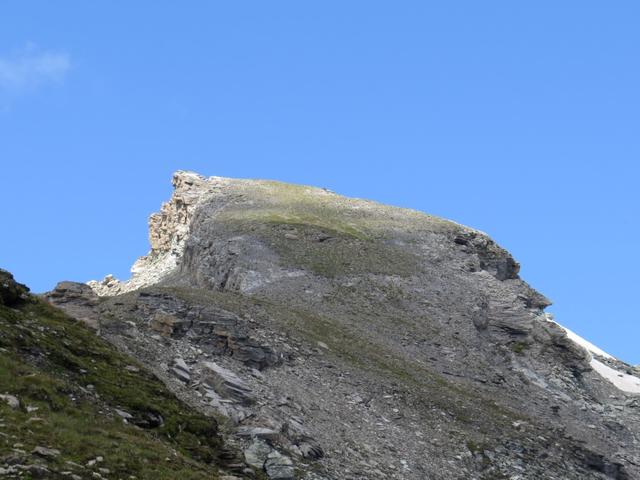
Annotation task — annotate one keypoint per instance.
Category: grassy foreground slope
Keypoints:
(87, 410)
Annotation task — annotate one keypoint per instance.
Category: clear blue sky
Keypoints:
(518, 118)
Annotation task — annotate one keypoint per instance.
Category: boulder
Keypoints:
(279, 467)
(72, 292)
(181, 370)
(11, 400)
(46, 452)
(11, 292)
(257, 432)
(250, 352)
(227, 384)
(311, 450)
(77, 300)
(168, 325)
(257, 453)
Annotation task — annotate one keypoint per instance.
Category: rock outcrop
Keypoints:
(344, 339)
(11, 292)
(168, 232)
(78, 300)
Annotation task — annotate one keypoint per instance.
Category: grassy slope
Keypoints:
(282, 203)
(350, 343)
(50, 361)
(357, 230)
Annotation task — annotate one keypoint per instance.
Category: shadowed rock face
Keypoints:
(11, 292)
(374, 342)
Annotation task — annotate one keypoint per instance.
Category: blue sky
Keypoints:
(518, 118)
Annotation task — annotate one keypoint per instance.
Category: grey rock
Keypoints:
(168, 325)
(256, 454)
(46, 452)
(249, 352)
(257, 432)
(36, 471)
(181, 374)
(181, 370)
(181, 364)
(311, 450)
(77, 299)
(12, 293)
(123, 414)
(11, 400)
(279, 467)
(227, 383)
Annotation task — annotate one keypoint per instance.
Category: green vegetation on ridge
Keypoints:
(70, 382)
(297, 205)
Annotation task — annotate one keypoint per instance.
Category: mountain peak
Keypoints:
(354, 312)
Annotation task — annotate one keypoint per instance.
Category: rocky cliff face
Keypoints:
(344, 339)
(168, 231)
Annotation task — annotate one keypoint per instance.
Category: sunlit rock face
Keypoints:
(11, 292)
(168, 232)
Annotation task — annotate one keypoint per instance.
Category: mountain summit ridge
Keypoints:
(169, 228)
(358, 340)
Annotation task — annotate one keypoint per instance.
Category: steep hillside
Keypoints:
(71, 406)
(344, 339)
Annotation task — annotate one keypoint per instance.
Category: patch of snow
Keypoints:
(623, 381)
(591, 348)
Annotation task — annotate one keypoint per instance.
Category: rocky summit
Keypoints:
(332, 338)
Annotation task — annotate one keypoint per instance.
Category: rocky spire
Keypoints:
(168, 231)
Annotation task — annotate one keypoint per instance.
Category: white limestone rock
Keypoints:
(168, 232)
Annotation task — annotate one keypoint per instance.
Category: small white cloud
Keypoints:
(31, 68)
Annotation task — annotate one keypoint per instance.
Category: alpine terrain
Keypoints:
(278, 331)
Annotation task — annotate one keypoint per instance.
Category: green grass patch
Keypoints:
(518, 347)
(69, 383)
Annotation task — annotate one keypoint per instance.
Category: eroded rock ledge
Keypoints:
(168, 231)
